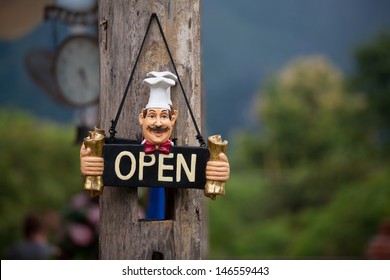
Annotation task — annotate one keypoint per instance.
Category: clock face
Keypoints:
(76, 69)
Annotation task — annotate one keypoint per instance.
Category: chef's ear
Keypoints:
(141, 116)
(174, 116)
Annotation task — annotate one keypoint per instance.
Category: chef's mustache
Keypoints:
(158, 128)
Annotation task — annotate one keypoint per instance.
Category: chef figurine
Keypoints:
(157, 120)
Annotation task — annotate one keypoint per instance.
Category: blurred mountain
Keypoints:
(243, 43)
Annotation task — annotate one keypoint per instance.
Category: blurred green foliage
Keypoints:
(372, 78)
(314, 183)
(39, 170)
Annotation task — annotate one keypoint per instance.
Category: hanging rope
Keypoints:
(114, 122)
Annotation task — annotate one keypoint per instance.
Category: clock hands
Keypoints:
(83, 76)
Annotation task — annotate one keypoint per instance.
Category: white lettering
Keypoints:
(132, 165)
(182, 163)
(162, 167)
(142, 164)
(183, 166)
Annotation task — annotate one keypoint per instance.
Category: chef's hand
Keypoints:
(218, 170)
(90, 165)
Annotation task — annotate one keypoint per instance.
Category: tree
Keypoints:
(313, 141)
(312, 183)
(372, 78)
(39, 170)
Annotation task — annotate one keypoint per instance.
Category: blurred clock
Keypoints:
(76, 70)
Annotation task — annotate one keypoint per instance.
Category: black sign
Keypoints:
(127, 165)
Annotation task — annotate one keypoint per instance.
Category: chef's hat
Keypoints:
(160, 84)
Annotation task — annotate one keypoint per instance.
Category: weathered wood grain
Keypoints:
(122, 25)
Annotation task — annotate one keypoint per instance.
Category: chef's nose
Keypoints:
(158, 121)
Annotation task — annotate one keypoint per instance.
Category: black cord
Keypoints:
(199, 137)
(114, 123)
(112, 130)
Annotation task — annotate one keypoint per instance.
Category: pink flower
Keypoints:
(80, 234)
(93, 215)
(79, 201)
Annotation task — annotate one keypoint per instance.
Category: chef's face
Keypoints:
(157, 124)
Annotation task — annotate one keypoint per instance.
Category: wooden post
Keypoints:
(122, 25)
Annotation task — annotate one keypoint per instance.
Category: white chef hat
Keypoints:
(160, 84)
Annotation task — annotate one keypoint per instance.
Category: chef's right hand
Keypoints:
(90, 165)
